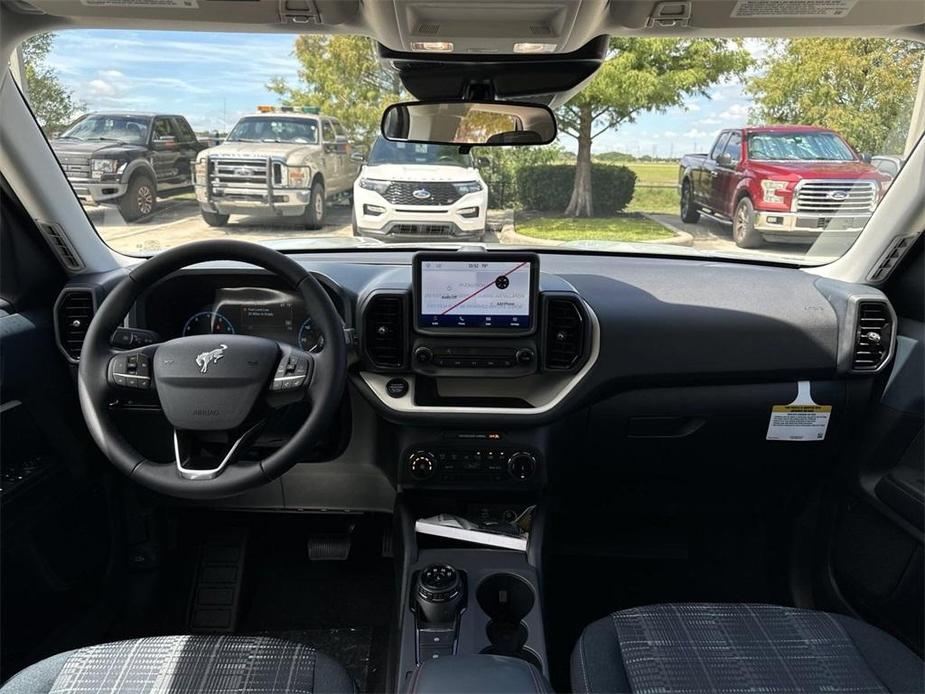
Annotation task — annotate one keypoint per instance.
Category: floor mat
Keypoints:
(343, 608)
(350, 646)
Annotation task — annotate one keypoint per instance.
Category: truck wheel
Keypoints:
(214, 219)
(689, 212)
(314, 213)
(139, 199)
(743, 226)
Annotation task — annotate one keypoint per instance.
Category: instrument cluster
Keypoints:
(276, 314)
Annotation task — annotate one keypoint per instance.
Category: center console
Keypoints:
(475, 333)
(465, 602)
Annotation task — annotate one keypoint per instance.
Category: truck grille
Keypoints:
(836, 197)
(75, 165)
(402, 193)
(243, 173)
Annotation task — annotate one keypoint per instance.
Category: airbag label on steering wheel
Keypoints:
(801, 420)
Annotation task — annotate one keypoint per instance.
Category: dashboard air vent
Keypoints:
(73, 312)
(565, 334)
(873, 336)
(384, 328)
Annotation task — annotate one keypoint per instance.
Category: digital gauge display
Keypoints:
(270, 313)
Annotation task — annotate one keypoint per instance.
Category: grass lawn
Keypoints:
(625, 227)
(666, 200)
(648, 174)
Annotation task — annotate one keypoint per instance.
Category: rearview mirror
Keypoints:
(471, 123)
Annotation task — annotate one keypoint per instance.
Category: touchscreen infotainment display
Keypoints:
(483, 294)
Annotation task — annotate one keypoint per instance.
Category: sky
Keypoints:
(214, 79)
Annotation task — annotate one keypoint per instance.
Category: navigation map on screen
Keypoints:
(475, 294)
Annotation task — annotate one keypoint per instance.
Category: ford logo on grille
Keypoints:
(244, 171)
(837, 195)
(421, 194)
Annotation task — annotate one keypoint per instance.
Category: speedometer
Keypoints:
(310, 339)
(208, 323)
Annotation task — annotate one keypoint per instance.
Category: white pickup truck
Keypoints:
(410, 191)
(276, 164)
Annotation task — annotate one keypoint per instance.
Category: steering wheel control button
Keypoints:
(130, 371)
(397, 387)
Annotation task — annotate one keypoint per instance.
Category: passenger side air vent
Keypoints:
(61, 246)
(384, 330)
(873, 336)
(565, 334)
(73, 312)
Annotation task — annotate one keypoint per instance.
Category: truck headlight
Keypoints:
(772, 190)
(375, 185)
(201, 170)
(297, 176)
(467, 187)
(98, 167)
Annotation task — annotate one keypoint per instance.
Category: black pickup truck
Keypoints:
(128, 159)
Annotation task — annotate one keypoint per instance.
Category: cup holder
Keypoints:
(507, 599)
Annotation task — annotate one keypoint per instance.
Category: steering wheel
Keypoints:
(215, 390)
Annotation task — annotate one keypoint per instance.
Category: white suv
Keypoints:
(414, 191)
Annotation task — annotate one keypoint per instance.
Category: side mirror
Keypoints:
(484, 162)
(469, 123)
(725, 159)
(358, 156)
(866, 158)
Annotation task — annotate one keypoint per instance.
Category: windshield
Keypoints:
(770, 149)
(127, 129)
(297, 130)
(805, 146)
(385, 152)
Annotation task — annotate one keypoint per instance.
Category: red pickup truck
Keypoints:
(783, 183)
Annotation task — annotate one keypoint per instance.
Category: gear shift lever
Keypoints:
(440, 594)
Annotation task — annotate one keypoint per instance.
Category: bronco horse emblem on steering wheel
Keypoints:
(206, 358)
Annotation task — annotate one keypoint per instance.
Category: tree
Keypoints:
(641, 75)
(861, 88)
(53, 104)
(341, 76)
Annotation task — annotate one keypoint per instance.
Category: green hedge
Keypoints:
(548, 188)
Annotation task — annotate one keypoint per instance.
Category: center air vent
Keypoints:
(873, 336)
(384, 330)
(565, 334)
(73, 313)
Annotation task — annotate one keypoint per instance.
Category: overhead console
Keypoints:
(476, 331)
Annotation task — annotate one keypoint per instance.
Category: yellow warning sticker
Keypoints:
(801, 420)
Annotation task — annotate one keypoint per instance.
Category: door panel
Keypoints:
(873, 543)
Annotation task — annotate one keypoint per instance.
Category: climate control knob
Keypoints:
(423, 355)
(421, 465)
(521, 466)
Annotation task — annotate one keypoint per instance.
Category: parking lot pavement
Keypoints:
(177, 221)
(712, 235)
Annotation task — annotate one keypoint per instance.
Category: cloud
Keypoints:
(101, 88)
(709, 120)
(736, 112)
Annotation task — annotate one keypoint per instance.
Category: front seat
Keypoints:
(186, 664)
(740, 648)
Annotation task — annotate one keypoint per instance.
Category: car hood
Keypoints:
(816, 169)
(97, 148)
(420, 172)
(260, 150)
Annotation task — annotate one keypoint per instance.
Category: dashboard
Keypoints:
(463, 366)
